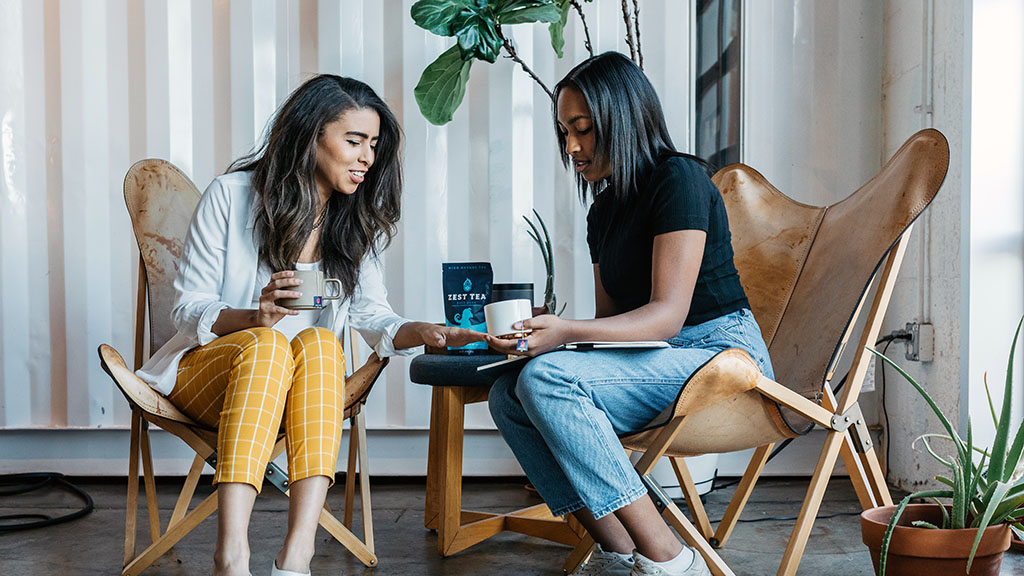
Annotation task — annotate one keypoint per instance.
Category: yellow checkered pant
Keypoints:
(245, 382)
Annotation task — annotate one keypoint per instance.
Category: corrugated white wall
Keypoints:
(89, 87)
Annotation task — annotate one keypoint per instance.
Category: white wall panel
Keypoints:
(88, 89)
(38, 386)
(14, 225)
(122, 247)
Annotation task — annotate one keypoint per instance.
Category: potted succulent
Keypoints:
(985, 488)
(543, 241)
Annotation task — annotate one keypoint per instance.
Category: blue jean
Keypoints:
(563, 412)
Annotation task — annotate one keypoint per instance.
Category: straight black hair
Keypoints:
(629, 126)
(284, 169)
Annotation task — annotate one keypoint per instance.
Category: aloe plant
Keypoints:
(983, 493)
(544, 243)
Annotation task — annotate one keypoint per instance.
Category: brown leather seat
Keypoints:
(161, 201)
(807, 271)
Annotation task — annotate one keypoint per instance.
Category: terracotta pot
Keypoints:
(916, 551)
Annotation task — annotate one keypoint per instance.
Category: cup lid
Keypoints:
(513, 286)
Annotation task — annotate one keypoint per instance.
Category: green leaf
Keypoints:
(958, 517)
(534, 233)
(442, 86)
(478, 36)
(547, 237)
(997, 496)
(523, 13)
(976, 477)
(887, 536)
(988, 394)
(1016, 449)
(996, 469)
(436, 15)
(924, 438)
(923, 524)
(1006, 508)
(961, 449)
(945, 514)
(557, 29)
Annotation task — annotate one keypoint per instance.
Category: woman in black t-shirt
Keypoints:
(663, 270)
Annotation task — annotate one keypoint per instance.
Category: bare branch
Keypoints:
(586, 30)
(629, 31)
(511, 49)
(636, 26)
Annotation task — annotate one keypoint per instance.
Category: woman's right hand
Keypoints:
(269, 313)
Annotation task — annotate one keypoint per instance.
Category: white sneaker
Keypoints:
(646, 567)
(603, 563)
(275, 571)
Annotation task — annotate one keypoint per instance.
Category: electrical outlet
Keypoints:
(921, 346)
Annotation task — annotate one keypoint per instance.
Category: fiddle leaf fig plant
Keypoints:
(981, 495)
(477, 27)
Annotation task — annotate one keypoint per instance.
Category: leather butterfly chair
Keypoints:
(808, 273)
(161, 201)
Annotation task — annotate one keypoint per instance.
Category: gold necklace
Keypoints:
(320, 219)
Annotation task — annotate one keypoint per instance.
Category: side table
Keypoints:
(456, 383)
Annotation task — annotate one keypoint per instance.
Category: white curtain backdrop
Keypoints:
(87, 87)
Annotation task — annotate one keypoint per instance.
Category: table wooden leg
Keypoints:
(431, 504)
(450, 431)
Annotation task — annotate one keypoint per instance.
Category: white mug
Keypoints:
(501, 317)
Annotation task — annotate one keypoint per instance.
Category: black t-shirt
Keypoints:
(678, 195)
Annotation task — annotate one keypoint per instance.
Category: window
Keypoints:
(718, 81)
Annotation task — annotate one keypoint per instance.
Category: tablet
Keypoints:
(514, 361)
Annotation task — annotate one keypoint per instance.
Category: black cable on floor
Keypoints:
(15, 484)
(885, 412)
(791, 518)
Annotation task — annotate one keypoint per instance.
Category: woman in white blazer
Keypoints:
(322, 192)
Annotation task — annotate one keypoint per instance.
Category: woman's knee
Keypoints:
(318, 352)
(265, 344)
(540, 378)
(315, 335)
(267, 351)
(317, 340)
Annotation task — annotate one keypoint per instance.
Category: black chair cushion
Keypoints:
(451, 370)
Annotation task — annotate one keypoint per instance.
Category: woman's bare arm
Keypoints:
(676, 263)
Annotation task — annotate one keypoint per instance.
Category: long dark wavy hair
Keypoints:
(629, 125)
(283, 178)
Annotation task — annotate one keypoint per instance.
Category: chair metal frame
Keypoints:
(149, 407)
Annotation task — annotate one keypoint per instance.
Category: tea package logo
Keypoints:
(467, 289)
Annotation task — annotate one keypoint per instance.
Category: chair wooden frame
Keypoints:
(847, 436)
(458, 529)
(906, 185)
(149, 407)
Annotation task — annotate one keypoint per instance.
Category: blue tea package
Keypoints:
(467, 289)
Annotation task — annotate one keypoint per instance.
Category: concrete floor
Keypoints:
(93, 545)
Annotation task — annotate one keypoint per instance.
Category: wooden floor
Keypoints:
(92, 545)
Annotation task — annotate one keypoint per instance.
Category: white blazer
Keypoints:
(218, 270)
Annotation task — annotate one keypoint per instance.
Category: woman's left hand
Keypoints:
(441, 336)
(548, 332)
